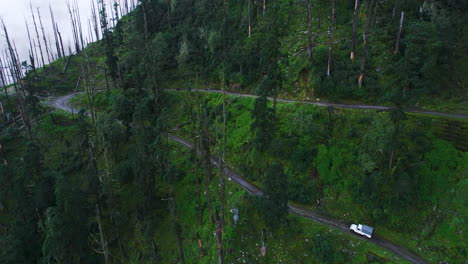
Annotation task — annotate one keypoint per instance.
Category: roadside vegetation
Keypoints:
(325, 154)
(106, 185)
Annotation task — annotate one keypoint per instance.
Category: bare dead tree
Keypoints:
(6, 68)
(18, 61)
(365, 35)
(90, 32)
(12, 56)
(175, 223)
(94, 18)
(250, 17)
(53, 55)
(309, 29)
(207, 164)
(17, 75)
(355, 26)
(145, 19)
(121, 8)
(222, 187)
(4, 80)
(196, 136)
(31, 46)
(54, 28)
(17, 72)
(46, 44)
(80, 26)
(400, 30)
(5, 160)
(126, 7)
(112, 13)
(330, 46)
(75, 29)
(37, 35)
(103, 242)
(89, 84)
(61, 40)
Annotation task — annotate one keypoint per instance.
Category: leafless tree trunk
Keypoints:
(196, 131)
(126, 7)
(169, 13)
(250, 18)
(37, 35)
(177, 228)
(222, 187)
(16, 74)
(397, 45)
(4, 81)
(94, 19)
(121, 8)
(366, 40)
(13, 55)
(107, 80)
(264, 7)
(332, 29)
(175, 218)
(46, 44)
(309, 29)
(90, 32)
(89, 86)
(355, 26)
(6, 68)
(61, 41)
(390, 162)
(80, 27)
(31, 46)
(145, 19)
(112, 19)
(55, 29)
(104, 248)
(5, 160)
(76, 26)
(207, 164)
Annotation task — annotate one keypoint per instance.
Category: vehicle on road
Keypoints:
(362, 230)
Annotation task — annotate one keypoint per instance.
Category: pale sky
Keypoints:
(14, 13)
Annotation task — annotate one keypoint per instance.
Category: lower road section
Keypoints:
(63, 104)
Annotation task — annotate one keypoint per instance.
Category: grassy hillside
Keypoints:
(109, 187)
(329, 170)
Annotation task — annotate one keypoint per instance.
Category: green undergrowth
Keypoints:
(323, 167)
(102, 100)
(327, 161)
(301, 241)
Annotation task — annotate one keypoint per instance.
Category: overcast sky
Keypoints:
(14, 13)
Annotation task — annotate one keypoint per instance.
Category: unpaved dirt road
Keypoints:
(327, 104)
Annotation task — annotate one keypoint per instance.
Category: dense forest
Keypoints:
(107, 180)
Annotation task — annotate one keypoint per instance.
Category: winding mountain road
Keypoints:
(326, 104)
(63, 104)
